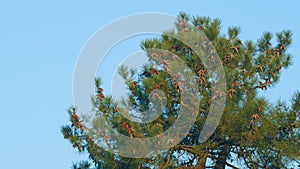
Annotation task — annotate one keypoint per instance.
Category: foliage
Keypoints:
(252, 132)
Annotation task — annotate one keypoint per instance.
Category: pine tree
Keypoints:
(252, 133)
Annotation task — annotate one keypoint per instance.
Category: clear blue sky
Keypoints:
(39, 45)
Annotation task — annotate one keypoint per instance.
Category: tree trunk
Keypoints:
(201, 163)
(221, 161)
